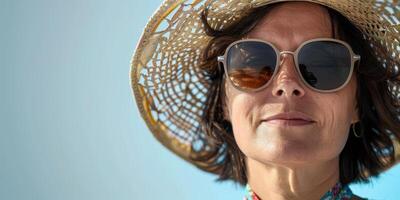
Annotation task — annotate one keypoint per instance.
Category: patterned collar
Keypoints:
(337, 192)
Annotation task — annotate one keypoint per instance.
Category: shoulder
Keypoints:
(355, 197)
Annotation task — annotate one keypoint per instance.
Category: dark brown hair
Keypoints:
(360, 158)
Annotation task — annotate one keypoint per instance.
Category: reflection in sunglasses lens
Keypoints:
(251, 64)
(325, 65)
(308, 76)
(250, 78)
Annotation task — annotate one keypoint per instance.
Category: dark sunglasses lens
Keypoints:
(325, 65)
(251, 64)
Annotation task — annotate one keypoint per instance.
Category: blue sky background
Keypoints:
(70, 128)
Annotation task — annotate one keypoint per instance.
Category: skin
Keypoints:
(285, 161)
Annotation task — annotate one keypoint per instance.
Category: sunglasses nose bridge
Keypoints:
(283, 54)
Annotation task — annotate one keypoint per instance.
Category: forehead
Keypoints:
(289, 24)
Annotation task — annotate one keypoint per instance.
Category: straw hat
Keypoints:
(170, 90)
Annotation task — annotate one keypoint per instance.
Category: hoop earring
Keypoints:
(354, 131)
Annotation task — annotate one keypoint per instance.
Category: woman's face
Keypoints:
(287, 141)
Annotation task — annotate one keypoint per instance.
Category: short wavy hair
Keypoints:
(360, 159)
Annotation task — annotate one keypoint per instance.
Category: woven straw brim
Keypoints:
(169, 87)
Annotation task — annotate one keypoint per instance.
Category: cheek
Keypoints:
(334, 113)
(336, 120)
(241, 116)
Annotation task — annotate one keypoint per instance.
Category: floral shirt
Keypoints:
(337, 192)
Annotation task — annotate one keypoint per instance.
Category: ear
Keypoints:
(225, 108)
(355, 118)
(226, 113)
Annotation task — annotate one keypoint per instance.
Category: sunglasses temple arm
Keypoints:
(220, 60)
(357, 58)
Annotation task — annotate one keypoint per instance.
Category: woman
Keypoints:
(295, 100)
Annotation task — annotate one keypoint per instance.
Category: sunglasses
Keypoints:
(324, 64)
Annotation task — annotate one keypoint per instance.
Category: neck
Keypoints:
(299, 181)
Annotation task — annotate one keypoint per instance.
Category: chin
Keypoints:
(289, 152)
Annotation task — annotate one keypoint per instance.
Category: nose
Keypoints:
(287, 81)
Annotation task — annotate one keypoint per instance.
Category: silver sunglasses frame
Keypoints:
(354, 58)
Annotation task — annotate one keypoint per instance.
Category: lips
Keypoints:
(289, 119)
